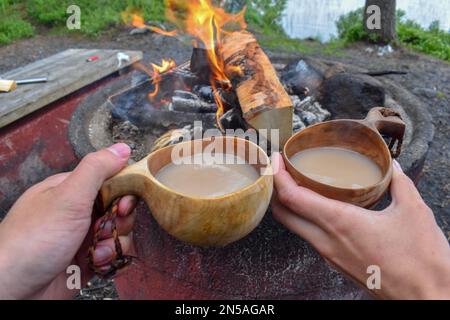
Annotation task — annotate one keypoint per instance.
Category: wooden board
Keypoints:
(67, 72)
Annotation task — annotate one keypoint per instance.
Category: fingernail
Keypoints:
(102, 254)
(121, 150)
(397, 165)
(132, 206)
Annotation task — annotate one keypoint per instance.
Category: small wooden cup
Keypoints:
(362, 136)
(214, 221)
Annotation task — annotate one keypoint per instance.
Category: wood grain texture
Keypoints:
(361, 136)
(67, 72)
(258, 88)
(7, 85)
(205, 222)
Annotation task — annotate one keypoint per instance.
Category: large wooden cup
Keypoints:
(362, 136)
(214, 221)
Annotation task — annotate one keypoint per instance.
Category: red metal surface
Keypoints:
(270, 263)
(36, 147)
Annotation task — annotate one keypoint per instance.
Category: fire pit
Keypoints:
(230, 83)
(320, 90)
(270, 262)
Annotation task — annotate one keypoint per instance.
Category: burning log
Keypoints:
(204, 92)
(232, 119)
(200, 65)
(185, 95)
(192, 105)
(263, 99)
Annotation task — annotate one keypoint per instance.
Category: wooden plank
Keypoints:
(67, 72)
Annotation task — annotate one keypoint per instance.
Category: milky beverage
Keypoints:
(206, 179)
(337, 167)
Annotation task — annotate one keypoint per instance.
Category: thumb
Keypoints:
(277, 162)
(87, 178)
(403, 189)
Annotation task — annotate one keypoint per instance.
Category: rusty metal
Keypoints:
(397, 136)
(119, 261)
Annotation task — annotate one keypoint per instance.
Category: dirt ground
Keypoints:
(427, 77)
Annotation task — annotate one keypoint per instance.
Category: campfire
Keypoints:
(229, 83)
(154, 105)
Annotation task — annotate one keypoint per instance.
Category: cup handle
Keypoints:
(389, 124)
(130, 181)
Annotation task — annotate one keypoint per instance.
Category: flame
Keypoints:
(136, 19)
(165, 66)
(206, 25)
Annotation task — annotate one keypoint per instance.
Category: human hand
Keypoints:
(47, 229)
(403, 240)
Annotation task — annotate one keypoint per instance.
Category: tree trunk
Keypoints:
(385, 27)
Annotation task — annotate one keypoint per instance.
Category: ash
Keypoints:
(307, 112)
(146, 131)
(126, 132)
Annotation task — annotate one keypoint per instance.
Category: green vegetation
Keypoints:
(17, 17)
(264, 16)
(432, 41)
(12, 24)
(441, 95)
(96, 15)
(20, 18)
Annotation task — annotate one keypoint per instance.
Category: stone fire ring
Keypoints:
(93, 117)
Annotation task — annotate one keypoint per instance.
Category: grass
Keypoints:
(264, 16)
(441, 95)
(12, 25)
(96, 15)
(432, 41)
(18, 17)
(283, 43)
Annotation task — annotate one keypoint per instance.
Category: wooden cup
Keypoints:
(362, 136)
(214, 221)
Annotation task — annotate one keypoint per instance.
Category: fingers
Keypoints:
(94, 169)
(277, 163)
(124, 226)
(303, 228)
(308, 204)
(406, 199)
(126, 205)
(105, 251)
(403, 190)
